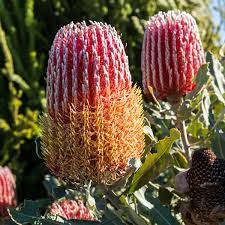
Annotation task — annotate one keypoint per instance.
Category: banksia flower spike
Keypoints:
(7, 191)
(172, 53)
(94, 120)
(85, 63)
(70, 209)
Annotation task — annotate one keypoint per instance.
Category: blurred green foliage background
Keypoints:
(27, 29)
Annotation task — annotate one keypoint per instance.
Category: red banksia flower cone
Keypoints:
(70, 209)
(94, 121)
(7, 191)
(85, 63)
(172, 53)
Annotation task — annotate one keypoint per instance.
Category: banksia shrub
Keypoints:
(94, 120)
(172, 53)
(7, 191)
(70, 209)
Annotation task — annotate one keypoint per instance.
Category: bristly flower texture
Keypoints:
(7, 191)
(172, 53)
(95, 118)
(70, 209)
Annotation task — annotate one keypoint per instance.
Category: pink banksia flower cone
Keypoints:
(7, 191)
(172, 53)
(71, 209)
(95, 117)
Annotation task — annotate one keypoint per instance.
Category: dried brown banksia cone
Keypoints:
(206, 180)
(94, 120)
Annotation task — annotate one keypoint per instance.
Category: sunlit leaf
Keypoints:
(155, 163)
(179, 159)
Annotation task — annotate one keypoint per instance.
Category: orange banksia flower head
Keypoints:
(95, 118)
(172, 53)
(7, 191)
(70, 209)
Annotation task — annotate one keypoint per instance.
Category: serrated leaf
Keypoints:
(152, 208)
(205, 105)
(155, 163)
(218, 80)
(215, 69)
(218, 141)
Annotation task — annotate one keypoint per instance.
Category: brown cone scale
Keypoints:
(206, 179)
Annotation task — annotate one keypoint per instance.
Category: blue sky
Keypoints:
(217, 18)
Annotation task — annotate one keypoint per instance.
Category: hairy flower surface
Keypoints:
(70, 209)
(7, 190)
(172, 53)
(85, 62)
(95, 118)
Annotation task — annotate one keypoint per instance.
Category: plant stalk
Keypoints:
(184, 138)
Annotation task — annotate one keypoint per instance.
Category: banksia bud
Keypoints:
(172, 53)
(70, 209)
(94, 121)
(7, 191)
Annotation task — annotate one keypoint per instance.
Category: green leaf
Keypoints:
(196, 129)
(4, 125)
(205, 105)
(20, 81)
(201, 81)
(149, 136)
(179, 159)
(155, 163)
(152, 208)
(27, 214)
(53, 187)
(216, 69)
(110, 217)
(165, 196)
(218, 141)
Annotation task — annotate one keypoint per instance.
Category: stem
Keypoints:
(182, 127)
(184, 138)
